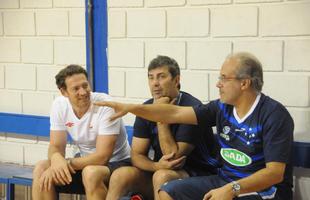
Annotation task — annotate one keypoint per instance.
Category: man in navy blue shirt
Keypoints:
(254, 131)
(180, 150)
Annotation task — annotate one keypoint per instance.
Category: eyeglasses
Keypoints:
(224, 79)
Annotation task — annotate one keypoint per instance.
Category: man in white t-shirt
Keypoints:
(103, 144)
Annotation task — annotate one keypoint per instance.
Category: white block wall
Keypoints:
(37, 39)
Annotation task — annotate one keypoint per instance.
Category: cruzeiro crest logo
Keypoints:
(226, 130)
(235, 157)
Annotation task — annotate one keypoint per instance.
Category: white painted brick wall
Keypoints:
(1, 76)
(173, 49)
(116, 24)
(146, 23)
(9, 4)
(35, 153)
(301, 118)
(2, 136)
(188, 22)
(269, 52)
(290, 90)
(76, 19)
(37, 51)
(162, 3)
(21, 77)
(134, 81)
(46, 78)
(18, 23)
(297, 55)
(36, 3)
(126, 54)
(196, 83)
(207, 55)
(52, 23)
(234, 21)
(125, 3)
(116, 83)
(70, 51)
(10, 50)
(23, 139)
(207, 2)
(69, 3)
(254, 1)
(10, 101)
(35, 103)
(213, 90)
(287, 19)
(16, 154)
(1, 27)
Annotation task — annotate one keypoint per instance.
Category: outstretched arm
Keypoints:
(164, 113)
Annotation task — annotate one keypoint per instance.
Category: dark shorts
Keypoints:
(195, 171)
(196, 187)
(76, 186)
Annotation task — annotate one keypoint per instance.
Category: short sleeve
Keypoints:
(278, 136)
(105, 125)
(141, 128)
(56, 117)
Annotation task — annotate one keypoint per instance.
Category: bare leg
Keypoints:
(37, 194)
(164, 195)
(164, 175)
(126, 179)
(95, 180)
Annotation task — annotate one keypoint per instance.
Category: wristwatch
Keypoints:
(236, 188)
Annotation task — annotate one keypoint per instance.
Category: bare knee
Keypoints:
(94, 176)
(162, 176)
(39, 168)
(124, 176)
(164, 195)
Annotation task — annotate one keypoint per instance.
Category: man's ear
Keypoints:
(246, 83)
(177, 80)
(64, 92)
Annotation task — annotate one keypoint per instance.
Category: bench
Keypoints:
(14, 174)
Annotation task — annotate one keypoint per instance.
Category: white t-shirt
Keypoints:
(95, 122)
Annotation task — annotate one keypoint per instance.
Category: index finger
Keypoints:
(68, 175)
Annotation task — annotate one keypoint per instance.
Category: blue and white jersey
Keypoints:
(264, 135)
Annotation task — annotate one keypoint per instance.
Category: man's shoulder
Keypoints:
(188, 99)
(269, 105)
(96, 96)
(60, 100)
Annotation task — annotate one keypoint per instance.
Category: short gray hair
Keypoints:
(250, 67)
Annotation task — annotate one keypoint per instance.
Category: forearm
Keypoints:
(91, 159)
(259, 181)
(166, 140)
(264, 178)
(143, 162)
(52, 149)
(164, 113)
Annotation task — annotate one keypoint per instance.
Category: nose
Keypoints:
(219, 84)
(155, 82)
(82, 91)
